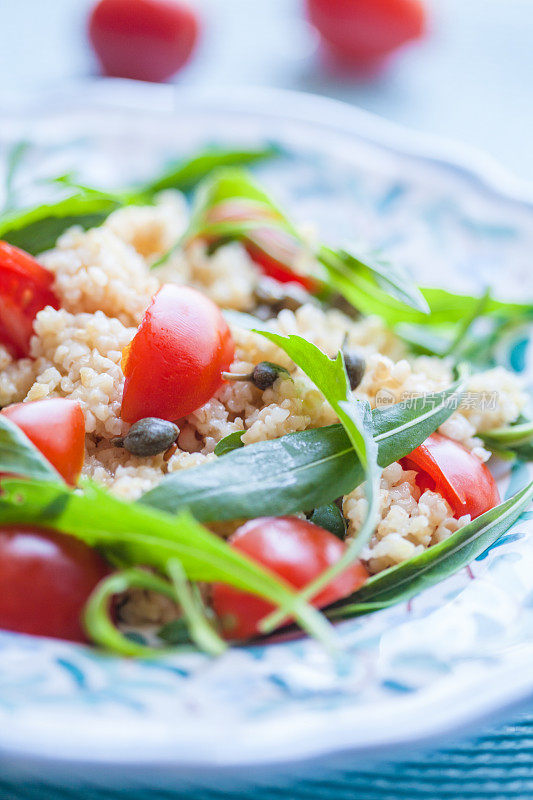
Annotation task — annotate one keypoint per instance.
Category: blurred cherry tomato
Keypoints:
(146, 40)
(57, 428)
(362, 32)
(446, 467)
(45, 581)
(293, 549)
(175, 360)
(25, 288)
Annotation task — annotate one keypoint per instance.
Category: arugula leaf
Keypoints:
(481, 345)
(329, 376)
(187, 173)
(98, 621)
(512, 440)
(19, 456)
(130, 534)
(230, 442)
(200, 630)
(363, 281)
(330, 518)
(405, 580)
(368, 280)
(38, 228)
(448, 307)
(298, 471)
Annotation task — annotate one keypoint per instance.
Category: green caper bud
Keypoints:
(148, 437)
(355, 367)
(263, 375)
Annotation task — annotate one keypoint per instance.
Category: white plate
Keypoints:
(461, 650)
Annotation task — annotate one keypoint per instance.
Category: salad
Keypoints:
(215, 427)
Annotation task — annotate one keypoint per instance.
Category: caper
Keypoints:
(263, 375)
(148, 437)
(355, 367)
(278, 296)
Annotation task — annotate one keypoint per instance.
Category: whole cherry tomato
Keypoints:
(362, 32)
(45, 581)
(175, 360)
(446, 467)
(25, 288)
(146, 40)
(57, 428)
(293, 549)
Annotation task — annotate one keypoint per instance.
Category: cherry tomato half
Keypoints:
(274, 250)
(146, 40)
(175, 360)
(45, 581)
(294, 549)
(25, 288)
(362, 32)
(446, 467)
(57, 428)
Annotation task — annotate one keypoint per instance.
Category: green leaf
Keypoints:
(450, 307)
(187, 173)
(230, 442)
(368, 280)
(38, 229)
(329, 376)
(174, 632)
(300, 470)
(407, 579)
(130, 534)
(200, 629)
(514, 440)
(330, 518)
(19, 456)
(463, 328)
(98, 620)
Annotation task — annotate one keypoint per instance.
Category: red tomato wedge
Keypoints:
(45, 580)
(25, 288)
(274, 250)
(446, 467)
(293, 549)
(57, 428)
(175, 360)
(145, 40)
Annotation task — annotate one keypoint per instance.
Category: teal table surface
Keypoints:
(494, 765)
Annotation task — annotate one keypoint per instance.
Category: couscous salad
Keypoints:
(215, 426)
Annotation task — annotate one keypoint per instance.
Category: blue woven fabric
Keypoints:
(497, 765)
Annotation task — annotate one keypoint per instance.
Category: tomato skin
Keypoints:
(45, 580)
(293, 549)
(449, 469)
(25, 288)
(175, 360)
(146, 40)
(362, 32)
(56, 426)
(274, 250)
